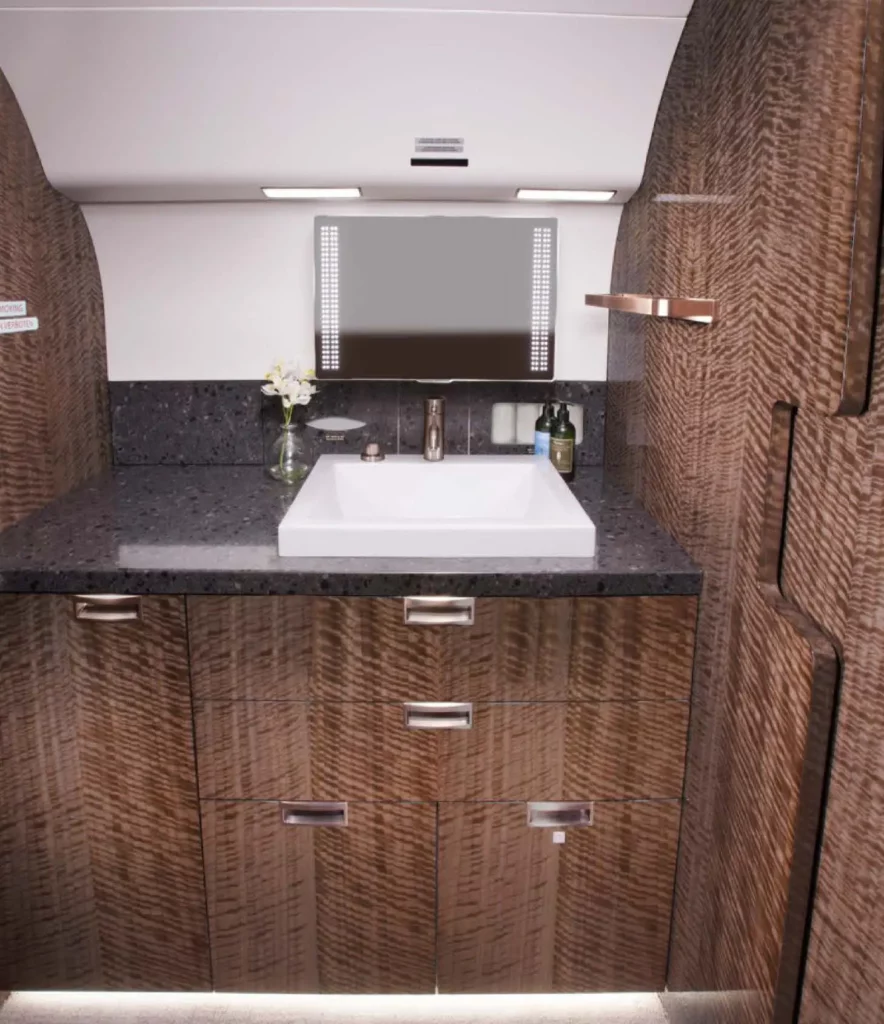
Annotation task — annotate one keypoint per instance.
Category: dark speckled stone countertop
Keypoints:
(212, 530)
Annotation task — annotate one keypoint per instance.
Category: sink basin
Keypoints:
(475, 506)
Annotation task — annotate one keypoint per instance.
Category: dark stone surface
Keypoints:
(212, 530)
(376, 404)
(232, 423)
(591, 451)
(186, 423)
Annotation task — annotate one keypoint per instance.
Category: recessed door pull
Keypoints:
(438, 715)
(440, 611)
(559, 815)
(107, 607)
(315, 813)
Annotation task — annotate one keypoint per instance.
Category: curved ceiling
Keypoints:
(204, 101)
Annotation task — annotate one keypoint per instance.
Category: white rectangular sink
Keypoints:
(467, 506)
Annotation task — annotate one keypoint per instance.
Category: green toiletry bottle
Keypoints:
(543, 429)
(561, 444)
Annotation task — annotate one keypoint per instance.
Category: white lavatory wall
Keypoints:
(220, 291)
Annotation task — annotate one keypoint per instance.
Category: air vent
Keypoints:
(428, 144)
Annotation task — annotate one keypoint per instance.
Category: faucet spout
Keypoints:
(434, 429)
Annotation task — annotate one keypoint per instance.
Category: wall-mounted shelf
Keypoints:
(699, 311)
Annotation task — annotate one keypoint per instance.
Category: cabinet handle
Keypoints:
(559, 815)
(107, 607)
(311, 812)
(440, 611)
(438, 715)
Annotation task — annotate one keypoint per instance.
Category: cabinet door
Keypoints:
(307, 908)
(102, 883)
(520, 913)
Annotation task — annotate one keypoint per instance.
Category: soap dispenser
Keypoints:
(561, 444)
(543, 429)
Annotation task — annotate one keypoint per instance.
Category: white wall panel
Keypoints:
(220, 291)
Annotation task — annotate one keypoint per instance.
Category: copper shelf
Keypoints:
(698, 311)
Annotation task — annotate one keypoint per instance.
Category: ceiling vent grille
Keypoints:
(432, 144)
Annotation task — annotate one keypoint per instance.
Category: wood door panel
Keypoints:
(517, 649)
(100, 828)
(632, 648)
(261, 888)
(254, 648)
(139, 782)
(49, 933)
(614, 899)
(518, 913)
(312, 909)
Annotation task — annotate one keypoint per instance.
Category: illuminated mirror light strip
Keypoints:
(329, 304)
(564, 195)
(540, 300)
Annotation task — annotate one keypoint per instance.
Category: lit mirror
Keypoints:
(435, 298)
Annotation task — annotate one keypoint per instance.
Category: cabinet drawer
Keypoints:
(519, 913)
(257, 648)
(632, 648)
(364, 751)
(516, 649)
(301, 908)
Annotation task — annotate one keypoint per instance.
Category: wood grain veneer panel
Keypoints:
(306, 909)
(377, 900)
(517, 649)
(520, 914)
(574, 751)
(100, 826)
(261, 886)
(629, 648)
(135, 738)
(755, 194)
(256, 648)
(49, 933)
(363, 751)
(625, 749)
(54, 422)
(614, 899)
(253, 749)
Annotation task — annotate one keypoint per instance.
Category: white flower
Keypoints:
(290, 385)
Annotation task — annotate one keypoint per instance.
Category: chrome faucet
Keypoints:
(434, 429)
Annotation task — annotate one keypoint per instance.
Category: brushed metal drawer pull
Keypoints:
(438, 715)
(312, 812)
(440, 611)
(107, 607)
(559, 815)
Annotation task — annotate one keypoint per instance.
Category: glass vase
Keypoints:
(287, 463)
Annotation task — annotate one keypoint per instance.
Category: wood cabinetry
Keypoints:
(102, 882)
(571, 700)
(111, 880)
(322, 909)
(520, 913)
